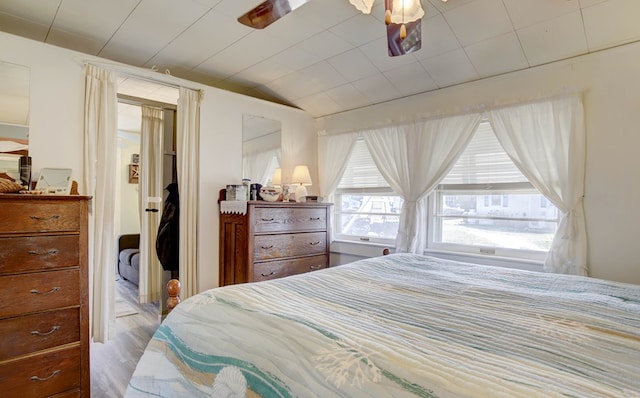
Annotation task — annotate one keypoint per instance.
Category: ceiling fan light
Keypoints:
(404, 11)
(363, 6)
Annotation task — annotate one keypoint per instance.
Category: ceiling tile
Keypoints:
(559, 38)
(353, 65)
(446, 6)
(378, 53)
(348, 96)
(294, 28)
(525, 13)
(497, 55)
(20, 27)
(478, 20)
(411, 79)
(437, 38)
(248, 51)
(376, 88)
(360, 29)
(318, 104)
(323, 75)
(328, 13)
(324, 45)
(40, 12)
(150, 27)
(283, 63)
(450, 68)
(211, 34)
(602, 33)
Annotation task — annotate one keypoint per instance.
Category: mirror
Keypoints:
(14, 117)
(261, 153)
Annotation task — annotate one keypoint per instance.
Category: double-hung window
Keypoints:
(365, 207)
(485, 205)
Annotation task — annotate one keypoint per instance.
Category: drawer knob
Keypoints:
(267, 247)
(314, 218)
(267, 219)
(35, 291)
(38, 333)
(54, 374)
(314, 243)
(37, 253)
(269, 274)
(38, 218)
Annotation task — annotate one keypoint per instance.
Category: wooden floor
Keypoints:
(113, 363)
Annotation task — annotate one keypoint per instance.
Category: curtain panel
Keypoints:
(546, 141)
(188, 160)
(100, 161)
(151, 191)
(413, 158)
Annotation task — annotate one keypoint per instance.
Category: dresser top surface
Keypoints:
(28, 197)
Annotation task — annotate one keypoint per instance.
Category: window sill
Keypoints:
(343, 252)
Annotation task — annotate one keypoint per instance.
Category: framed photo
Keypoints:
(135, 158)
(134, 173)
(54, 181)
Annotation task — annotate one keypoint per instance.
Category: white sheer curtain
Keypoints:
(333, 156)
(546, 140)
(187, 153)
(259, 166)
(413, 158)
(100, 151)
(150, 197)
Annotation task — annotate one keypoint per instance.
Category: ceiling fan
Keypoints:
(402, 38)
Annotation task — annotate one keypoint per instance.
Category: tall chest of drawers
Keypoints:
(273, 240)
(44, 311)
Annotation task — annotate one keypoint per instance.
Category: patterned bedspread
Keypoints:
(402, 325)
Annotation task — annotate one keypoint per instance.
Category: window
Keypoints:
(365, 209)
(485, 205)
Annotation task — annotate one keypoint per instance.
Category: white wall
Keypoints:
(56, 130)
(128, 192)
(609, 80)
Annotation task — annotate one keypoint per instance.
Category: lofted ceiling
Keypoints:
(326, 57)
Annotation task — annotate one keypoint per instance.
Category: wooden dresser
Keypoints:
(273, 240)
(44, 310)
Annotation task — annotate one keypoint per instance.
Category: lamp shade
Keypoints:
(363, 6)
(277, 177)
(301, 175)
(405, 11)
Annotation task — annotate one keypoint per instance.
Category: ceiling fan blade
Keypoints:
(269, 11)
(411, 43)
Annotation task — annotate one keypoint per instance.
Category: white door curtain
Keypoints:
(188, 148)
(151, 191)
(413, 158)
(546, 141)
(100, 154)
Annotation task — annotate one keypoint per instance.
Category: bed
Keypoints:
(401, 325)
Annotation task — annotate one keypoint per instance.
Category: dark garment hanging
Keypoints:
(168, 230)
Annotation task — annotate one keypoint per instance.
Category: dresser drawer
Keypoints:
(289, 219)
(38, 253)
(42, 375)
(31, 333)
(289, 245)
(24, 217)
(39, 291)
(282, 268)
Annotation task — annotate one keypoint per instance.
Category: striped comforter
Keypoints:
(402, 325)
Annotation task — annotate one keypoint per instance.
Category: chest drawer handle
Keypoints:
(37, 253)
(38, 333)
(316, 267)
(53, 217)
(54, 374)
(267, 219)
(315, 243)
(269, 274)
(314, 218)
(267, 247)
(35, 291)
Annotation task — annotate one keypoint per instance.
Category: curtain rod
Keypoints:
(136, 72)
(131, 100)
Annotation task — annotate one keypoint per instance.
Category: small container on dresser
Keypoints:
(44, 311)
(273, 240)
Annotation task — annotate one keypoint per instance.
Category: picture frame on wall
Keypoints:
(134, 173)
(135, 158)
